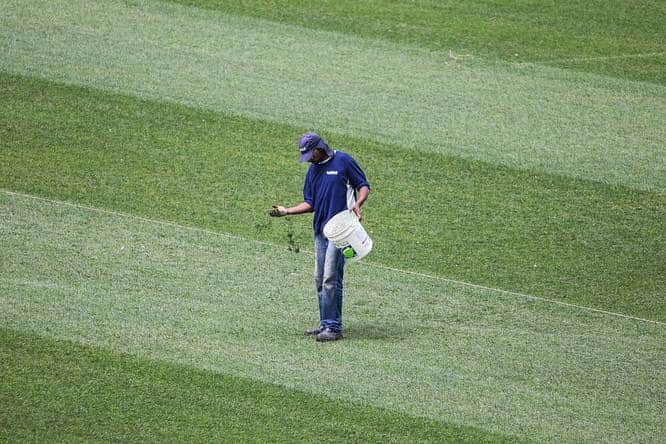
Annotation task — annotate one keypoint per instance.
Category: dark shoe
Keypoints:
(328, 335)
(314, 331)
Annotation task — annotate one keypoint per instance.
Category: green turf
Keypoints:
(418, 346)
(58, 391)
(515, 144)
(616, 38)
(575, 241)
(527, 116)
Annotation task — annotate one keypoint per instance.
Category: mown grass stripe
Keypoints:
(575, 241)
(54, 390)
(513, 31)
(611, 57)
(420, 347)
(305, 250)
(520, 295)
(535, 118)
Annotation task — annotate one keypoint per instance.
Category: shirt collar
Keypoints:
(329, 158)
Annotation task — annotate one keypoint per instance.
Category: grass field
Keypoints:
(516, 290)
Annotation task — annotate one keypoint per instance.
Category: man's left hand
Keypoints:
(357, 211)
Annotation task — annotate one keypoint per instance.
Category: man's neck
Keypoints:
(325, 160)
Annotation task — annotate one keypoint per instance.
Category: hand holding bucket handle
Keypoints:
(357, 211)
(361, 196)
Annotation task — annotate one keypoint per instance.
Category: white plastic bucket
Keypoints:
(346, 231)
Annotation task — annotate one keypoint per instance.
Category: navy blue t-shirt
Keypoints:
(330, 187)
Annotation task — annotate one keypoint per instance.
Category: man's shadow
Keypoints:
(375, 332)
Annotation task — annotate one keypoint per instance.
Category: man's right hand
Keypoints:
(278, 211)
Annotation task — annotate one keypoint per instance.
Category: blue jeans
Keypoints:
(329, 272)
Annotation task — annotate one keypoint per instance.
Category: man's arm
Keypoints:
(279, 211)
(360, 198)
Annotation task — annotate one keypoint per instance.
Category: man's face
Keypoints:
(318, 155)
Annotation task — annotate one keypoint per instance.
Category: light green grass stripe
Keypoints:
(308, 251)
(416, 345)
(528, 116)
(517, 294)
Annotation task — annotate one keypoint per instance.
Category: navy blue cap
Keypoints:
(307, 144)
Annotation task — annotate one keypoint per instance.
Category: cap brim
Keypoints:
(306, 157)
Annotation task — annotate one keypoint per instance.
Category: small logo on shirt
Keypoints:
(332, 173)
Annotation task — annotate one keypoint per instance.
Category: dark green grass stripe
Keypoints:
(581, 242)
(61, 391)
(514, 31)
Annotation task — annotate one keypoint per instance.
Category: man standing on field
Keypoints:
(334, 183)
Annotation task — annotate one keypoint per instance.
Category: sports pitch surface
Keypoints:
(136, 257)
(418, 345)
(522, 115)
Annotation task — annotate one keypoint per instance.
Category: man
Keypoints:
(334, 182)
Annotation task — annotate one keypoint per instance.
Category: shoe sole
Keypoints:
(329, 339)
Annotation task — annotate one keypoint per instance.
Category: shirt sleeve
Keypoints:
(356, 175)
(307, 189)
